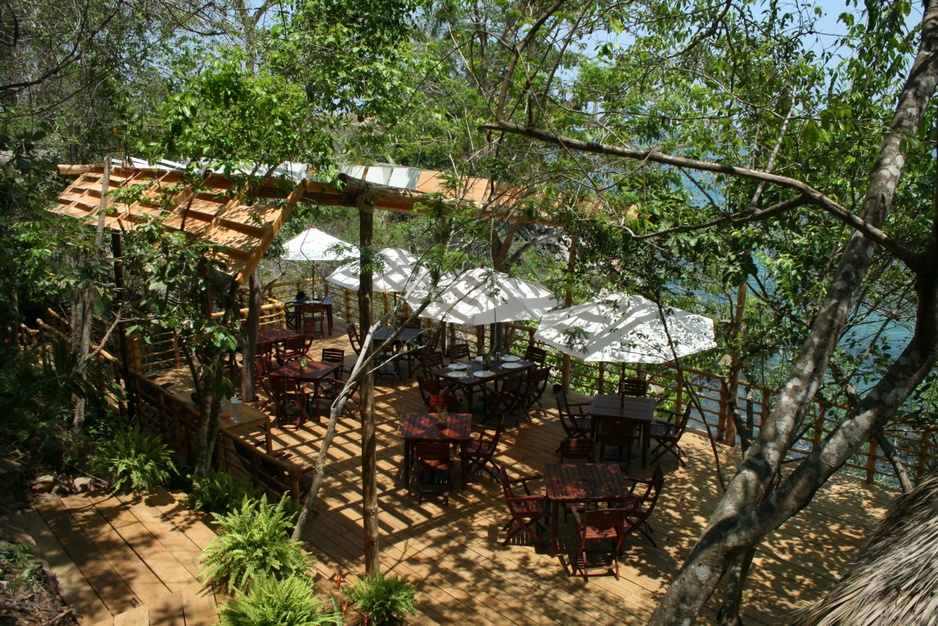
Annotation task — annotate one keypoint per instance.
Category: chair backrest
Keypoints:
(295, 348)
(649, 499)
(428, 387)
(458, 351)
(633, 387)
(280, 386)
(536, 383)
(614, 431)
(511, 385)
(353, 338)
(337, 356)
(602, 519)
(415, 323)
(536, 355)
(433, 451)
(262, 372)
(684, 419)
(431, 360)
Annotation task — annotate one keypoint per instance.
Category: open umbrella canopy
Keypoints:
(314, 245)
(393, 271)
(625, 329)
(483, 296)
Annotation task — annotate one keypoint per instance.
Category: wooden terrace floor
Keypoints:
(124, 561)
(454, 554)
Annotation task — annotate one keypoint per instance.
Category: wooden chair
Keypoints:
(262, 376)
(529, 512)
(430, 361)
(482, 448)
(416, 351)
(352, 332)
(667, 434)
(293, 349)
(640, 505)
(312, 317)
(289, 397)
(615, 432)
(533, 387)
(458, 351)
(337, 356)
(605, 527)
(505, 399)
(575, 422)
(433, 464)
(430, 388)
(633, 387)
(536, 355)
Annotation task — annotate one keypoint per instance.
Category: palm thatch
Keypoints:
(895, 580)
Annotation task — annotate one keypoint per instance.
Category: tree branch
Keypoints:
(812, 195)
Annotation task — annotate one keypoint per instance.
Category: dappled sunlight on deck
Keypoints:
(454, 553)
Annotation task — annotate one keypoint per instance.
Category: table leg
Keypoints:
(463, 464)
(554, 514)
(645, 438)
(407, 463)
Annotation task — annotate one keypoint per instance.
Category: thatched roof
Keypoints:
(895, 580)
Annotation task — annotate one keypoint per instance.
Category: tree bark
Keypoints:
(367, 400)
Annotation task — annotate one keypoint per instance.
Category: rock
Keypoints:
(84, 484)
(64, 485)
(44, 483)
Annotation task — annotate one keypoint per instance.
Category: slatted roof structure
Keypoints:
(214, 210)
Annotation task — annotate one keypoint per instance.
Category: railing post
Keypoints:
(602, 377)
(679, 398)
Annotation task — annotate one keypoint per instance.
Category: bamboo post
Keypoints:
(567, 302)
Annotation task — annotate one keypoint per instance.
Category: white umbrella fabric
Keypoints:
(314, 245)
(394, 272)
(484, 296)
(625, 329)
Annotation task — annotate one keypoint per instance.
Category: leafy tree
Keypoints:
(773, 144)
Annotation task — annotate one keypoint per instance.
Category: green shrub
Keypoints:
(387, 599)
(291, 601)
(253, 542)
(135, 461)
(218, 492)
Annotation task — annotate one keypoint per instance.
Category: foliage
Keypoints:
(15, 558)
(290, 601)
(252, 542)
(37, 388)
(135, 461)
(218, 492)
(387, 599)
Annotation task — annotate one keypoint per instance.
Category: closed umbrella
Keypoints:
(483, 296)
(625, 329)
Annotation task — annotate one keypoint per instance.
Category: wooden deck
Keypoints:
(454, 555)
(126, 561)
(139, 558)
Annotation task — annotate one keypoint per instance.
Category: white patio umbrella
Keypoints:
(394, 272)
(314, 245)
(625, 329)
(483, 296)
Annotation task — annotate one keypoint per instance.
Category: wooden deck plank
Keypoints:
(88, 557)
(73, 586)
(139, 616)
(167, 610)
(198, 606)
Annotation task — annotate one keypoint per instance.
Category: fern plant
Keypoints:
(135, 461)
(291, 601)
(387, 599)
(252, 543)
(218, 492)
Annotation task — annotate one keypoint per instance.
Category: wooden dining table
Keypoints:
(425, 427)
(294, 312)
(268, 337)
(474, 373)
(313, 372)
(640, 411)
(569, 483)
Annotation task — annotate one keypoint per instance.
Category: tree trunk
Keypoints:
(367, 400)
(742, 518)
(122, 343)
(249, 336)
